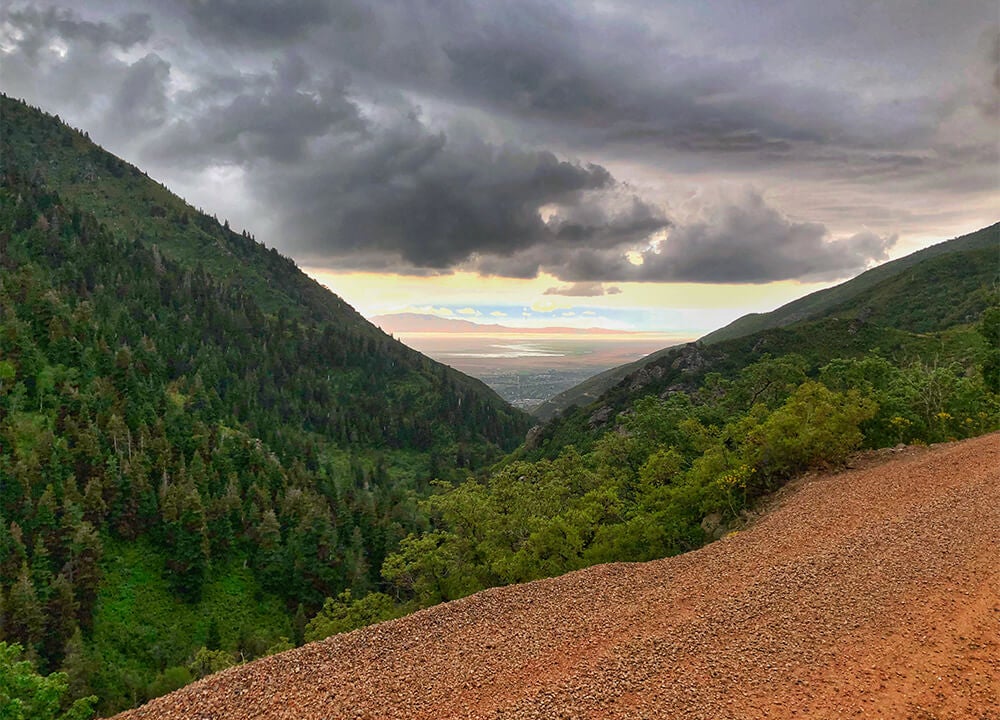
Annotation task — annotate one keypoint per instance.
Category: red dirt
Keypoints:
(872, 593)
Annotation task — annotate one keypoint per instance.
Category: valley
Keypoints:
(625, 360)
(528, 369)
(208, 458)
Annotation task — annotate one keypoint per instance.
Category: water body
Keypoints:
(522, 350)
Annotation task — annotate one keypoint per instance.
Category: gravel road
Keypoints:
(874, 592)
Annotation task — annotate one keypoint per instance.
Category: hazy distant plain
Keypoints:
(527, 370)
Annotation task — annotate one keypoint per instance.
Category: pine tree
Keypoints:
(299, 623)
(186, 537)
(41, 570)
(213, 638)
(85, 570)
(60, 620)
(12, 551)
(270, 554)
(25, 622)
(46, 524)
(77, 665)
(94, 507)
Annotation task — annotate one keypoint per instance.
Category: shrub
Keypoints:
(26, 695)
(815, 427)
(344, 614)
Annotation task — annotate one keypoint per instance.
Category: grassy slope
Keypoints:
(947, 290)
(141, 628)
(844, 295)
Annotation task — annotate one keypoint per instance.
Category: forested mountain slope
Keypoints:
(861, 594)
(914, 313)
(198, 443)
(932, 289)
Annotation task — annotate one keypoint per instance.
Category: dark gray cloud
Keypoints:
(435, 200)
(266, 116)
(423, 136)
(746, 240)
(84, 68)
(735, 239)
(37, 25)
(140, 101)
(257, 22)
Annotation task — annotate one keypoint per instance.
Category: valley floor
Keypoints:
(874, 592)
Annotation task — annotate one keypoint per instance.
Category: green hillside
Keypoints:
(198, 443)
(907, 310)
(981, 251)
(931, 289)
(592, 388)
(682, 450)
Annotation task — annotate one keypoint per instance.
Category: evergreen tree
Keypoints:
(79, 668)
(25, 621)
(60, 620)
(213, 639)
(41, 570)
(85, 570)
(270, 554)
(185, 536)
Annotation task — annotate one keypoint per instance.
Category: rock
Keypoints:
(531, 439)
(713, 526)
(689, 359)
(644, 377)
(601, 416)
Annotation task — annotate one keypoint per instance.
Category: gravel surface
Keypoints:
(874, 592)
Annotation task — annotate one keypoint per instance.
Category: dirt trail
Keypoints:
(870, 593)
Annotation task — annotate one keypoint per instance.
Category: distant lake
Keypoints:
(510, 351)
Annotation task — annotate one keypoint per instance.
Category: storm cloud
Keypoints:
(436, 201)
(513, 139)
(736, 238)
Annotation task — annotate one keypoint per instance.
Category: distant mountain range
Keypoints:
(420, 323)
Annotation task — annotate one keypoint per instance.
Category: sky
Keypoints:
(637, 164)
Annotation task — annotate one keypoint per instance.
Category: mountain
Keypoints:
(134, 209)
(905, 278)
(207, 458)
(419, 323)
(932, 289)
(198, 443)
(592, 388)
(860, 592)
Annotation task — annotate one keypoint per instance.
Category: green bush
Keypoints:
(815, 427)
(208, 661)
(173, 678)
(345, 613)
(27, 695)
